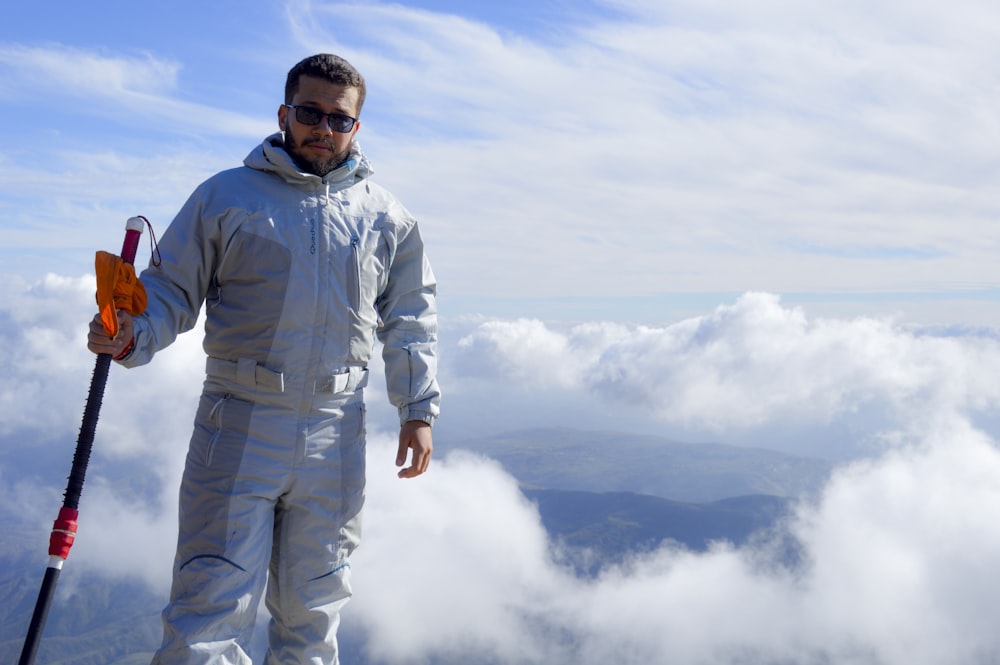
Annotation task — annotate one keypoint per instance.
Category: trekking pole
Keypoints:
(64, 529)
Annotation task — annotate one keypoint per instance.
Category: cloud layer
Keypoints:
(896, 568)
(895, 557)
(752, 365)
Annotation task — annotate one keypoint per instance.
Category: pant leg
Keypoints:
(225, 526)
(317, 527)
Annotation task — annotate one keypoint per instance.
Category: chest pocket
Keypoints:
(367, 273)
(362, 264)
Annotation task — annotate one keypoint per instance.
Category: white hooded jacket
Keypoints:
(298, 274)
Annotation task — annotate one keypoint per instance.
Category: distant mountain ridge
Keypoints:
(101, 621)
(595, 461)
(592, 531)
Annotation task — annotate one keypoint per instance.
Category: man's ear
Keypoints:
(282, 117)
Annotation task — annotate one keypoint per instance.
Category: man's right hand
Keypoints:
(99, 342)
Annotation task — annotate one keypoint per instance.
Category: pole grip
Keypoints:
(81, 457)
(133, 231)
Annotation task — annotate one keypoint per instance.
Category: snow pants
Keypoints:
(270, 502)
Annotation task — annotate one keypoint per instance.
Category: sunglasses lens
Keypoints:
(341, 123)
(307, 116)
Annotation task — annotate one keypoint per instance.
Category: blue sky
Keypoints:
(618, 160)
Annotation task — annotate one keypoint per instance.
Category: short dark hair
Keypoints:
(326, 66)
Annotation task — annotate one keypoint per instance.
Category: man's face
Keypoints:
(318, 149)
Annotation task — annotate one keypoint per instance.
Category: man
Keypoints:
(300, 261)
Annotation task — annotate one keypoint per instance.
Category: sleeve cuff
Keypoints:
(406, 415)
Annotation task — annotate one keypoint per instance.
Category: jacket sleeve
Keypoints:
(176, 287)
(408, 311)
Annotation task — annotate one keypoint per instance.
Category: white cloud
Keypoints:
(83, 72)
(746, 365)
(412, 596)
(38, 351)
(141, 439)
(896, 560)
(134, 89)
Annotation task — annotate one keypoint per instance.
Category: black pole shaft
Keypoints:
(85, 441)
(39, 616)
(71, 499)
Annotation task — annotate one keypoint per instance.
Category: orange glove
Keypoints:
(117, 288)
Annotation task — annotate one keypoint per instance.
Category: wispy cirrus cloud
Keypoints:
(137, 90)
(689, 147)
(32, 69)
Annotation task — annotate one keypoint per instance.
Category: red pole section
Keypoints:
(63, 533)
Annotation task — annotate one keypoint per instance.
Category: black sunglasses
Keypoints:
(338, 122)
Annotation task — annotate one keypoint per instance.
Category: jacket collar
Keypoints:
(271, 156)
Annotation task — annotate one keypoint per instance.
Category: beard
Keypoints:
(318, 167)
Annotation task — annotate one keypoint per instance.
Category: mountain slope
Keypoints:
(93, 621)
(597, 530)
(567, 459)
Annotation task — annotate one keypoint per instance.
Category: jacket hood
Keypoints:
(271, 156)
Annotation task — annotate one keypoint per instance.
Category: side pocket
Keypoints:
(215, 416)
(353, 462)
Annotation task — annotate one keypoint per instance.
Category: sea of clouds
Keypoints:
(897, 554)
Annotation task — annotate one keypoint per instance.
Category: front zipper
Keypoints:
(355, 274)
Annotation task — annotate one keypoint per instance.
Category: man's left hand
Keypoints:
(416, 436)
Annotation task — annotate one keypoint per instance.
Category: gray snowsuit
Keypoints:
(298, 274)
